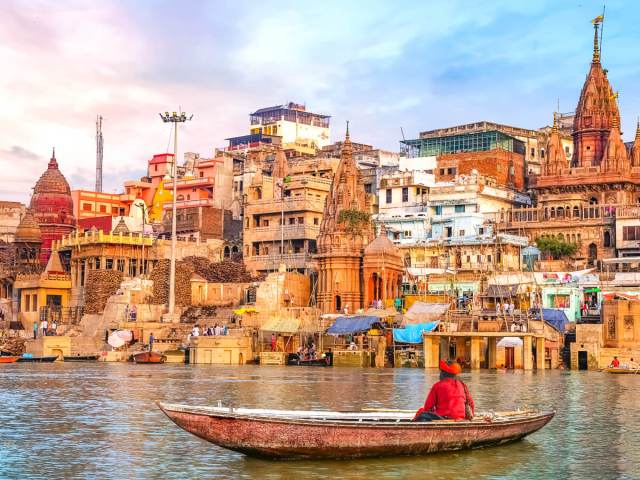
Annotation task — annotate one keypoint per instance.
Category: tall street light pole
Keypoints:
(174, 118)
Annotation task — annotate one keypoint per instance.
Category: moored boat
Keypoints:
(149, 357)
(80, 358)
(622, 370)
(286, 434)
(294, 359)
(46, 359)
(8, 359)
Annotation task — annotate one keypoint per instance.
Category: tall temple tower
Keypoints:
(52, 207)
(596, 113)
(344, 233)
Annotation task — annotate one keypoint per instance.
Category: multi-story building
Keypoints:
(90, 204)
(293, 123)
(294, 192)
(10, 215)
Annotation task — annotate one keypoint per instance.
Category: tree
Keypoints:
(355, 220)
(555, 248)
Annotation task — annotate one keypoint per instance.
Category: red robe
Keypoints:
(447, 399)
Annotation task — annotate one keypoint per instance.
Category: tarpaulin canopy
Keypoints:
(283, 325)
(358, 323)
(413, 333)
(510, 342)
(119, 338)
(554, 317)
(421, 312)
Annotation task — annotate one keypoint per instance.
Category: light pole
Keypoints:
(174, 118)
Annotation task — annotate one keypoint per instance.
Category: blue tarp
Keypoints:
(412, 333)
(554, 317)
(359, 323)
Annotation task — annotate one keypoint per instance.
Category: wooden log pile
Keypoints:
(98, 287)
(227, 271)
(12, 345)
(160, 277)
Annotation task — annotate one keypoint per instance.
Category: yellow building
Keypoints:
(162, 195)
(46, 295)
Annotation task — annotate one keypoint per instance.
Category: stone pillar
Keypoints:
(491, 354)
(540, 353)
(431, 351)
(527, 356)
(103, 262)
(476, 343)
(554, 358)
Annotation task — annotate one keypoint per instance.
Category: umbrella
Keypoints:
(510, 342)
(119, 338)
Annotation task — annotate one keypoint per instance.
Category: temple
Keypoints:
(583, 200)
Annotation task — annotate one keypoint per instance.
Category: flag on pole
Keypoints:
(599, 19)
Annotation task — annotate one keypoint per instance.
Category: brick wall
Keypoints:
(506, 167)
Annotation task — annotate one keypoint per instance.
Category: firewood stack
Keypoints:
(227, 271)
(99, 286)
(160, 277)
(12, 345)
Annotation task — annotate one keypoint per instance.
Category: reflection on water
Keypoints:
(99, 420)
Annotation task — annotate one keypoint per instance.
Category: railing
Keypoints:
(290, 232)
(271, 262)
(61, 315)
(490, 321)
(291, 204)
(94, 237)
(199, 202)
(562, 214)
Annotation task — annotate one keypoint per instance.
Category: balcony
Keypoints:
(291, 204)
(593, 214)
(272, 262)
(291, 232)
(96, 237)
(201, 202)
(191, 182)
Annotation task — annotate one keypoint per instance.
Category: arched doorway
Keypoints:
(226, 252)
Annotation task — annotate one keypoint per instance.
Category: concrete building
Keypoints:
(89, 204)
(10, 215)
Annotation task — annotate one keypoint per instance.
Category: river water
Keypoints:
(99, 420)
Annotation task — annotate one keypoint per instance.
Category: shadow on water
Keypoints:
(100, 421)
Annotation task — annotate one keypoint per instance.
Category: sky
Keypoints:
(385, 66)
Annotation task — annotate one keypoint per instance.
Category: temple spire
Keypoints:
(53, 163)
(555, 122)
(596, 47)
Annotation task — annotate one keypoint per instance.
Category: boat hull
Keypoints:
(48, 359)
(281, 438)
(84, 358)
(620, 371)
(149, 357)
(8, 359)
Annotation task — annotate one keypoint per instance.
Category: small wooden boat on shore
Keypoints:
(149, 357)
(80, 358)
(622, 370)
(46, 359)
(292, 434)
(8, 359)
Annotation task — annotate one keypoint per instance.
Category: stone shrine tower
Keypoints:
(52, 207)
(344, 233)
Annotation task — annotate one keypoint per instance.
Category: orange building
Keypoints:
(88, 204)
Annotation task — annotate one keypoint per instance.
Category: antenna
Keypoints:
(402, 133)
(99, 153)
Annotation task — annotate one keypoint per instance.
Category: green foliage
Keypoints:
(355, 220)
(555, 248)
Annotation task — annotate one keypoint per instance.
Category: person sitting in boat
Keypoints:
(615, 363)
(449, 398)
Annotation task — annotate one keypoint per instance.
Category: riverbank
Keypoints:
(99, 420)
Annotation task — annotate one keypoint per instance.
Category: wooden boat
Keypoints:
(149, 357)
(294, 359)
(8, 359)
(81, 358)
(285, 434)
(622, 370)
(47, 359)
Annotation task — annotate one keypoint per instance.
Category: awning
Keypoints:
(501, 291)
(282, 325)
(592, 290)
(420, 312)
(358, 323)
(413, 333)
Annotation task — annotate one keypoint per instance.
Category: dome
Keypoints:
(28, 230)
(382, 246)
(51, 201)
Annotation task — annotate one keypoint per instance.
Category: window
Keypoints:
(265, 223)
(292, 221)
(405, 194)
(114, 210)
(109, 263)
(533, 152)
(98, 263)
(34, 302)
(461, 233)
(120, 265)
(300, 220)
(407, 234)
(459, 208)
(611, 327)
(27, 303)
(86, 207)
(389, 195)
(566, 150)
(631, 233)
(438, 209)
(442, 171)
(480, 230)
(451, 171)
(103, 208)
(368, 188)
(542, 153)
(607, 239)
(201, 174)
(316, 221)
(468, 258)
